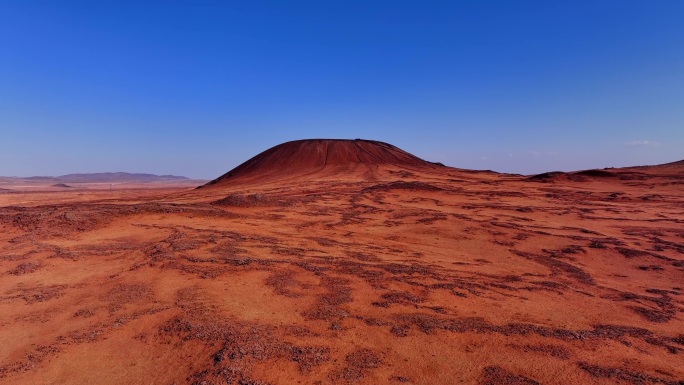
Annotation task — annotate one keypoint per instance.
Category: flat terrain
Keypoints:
(421, 276)
(89, 183)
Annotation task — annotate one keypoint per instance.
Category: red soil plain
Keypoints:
(349, 262)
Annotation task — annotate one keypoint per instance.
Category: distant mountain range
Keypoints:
(105, 177)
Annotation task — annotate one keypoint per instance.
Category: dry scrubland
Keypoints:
(346, 267)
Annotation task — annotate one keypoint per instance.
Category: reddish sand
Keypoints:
(369, 269)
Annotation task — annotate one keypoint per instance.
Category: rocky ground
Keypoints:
(455, 277)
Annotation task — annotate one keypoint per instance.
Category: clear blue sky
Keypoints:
(196, 87)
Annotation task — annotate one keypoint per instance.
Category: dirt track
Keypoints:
(416, 277)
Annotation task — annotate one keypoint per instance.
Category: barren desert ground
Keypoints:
(348, 262)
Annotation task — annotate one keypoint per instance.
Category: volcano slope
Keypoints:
(376, 269)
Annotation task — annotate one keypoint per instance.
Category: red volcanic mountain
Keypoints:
(312, 160)
(323, 159)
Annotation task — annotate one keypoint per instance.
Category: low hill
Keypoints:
(325, 159)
